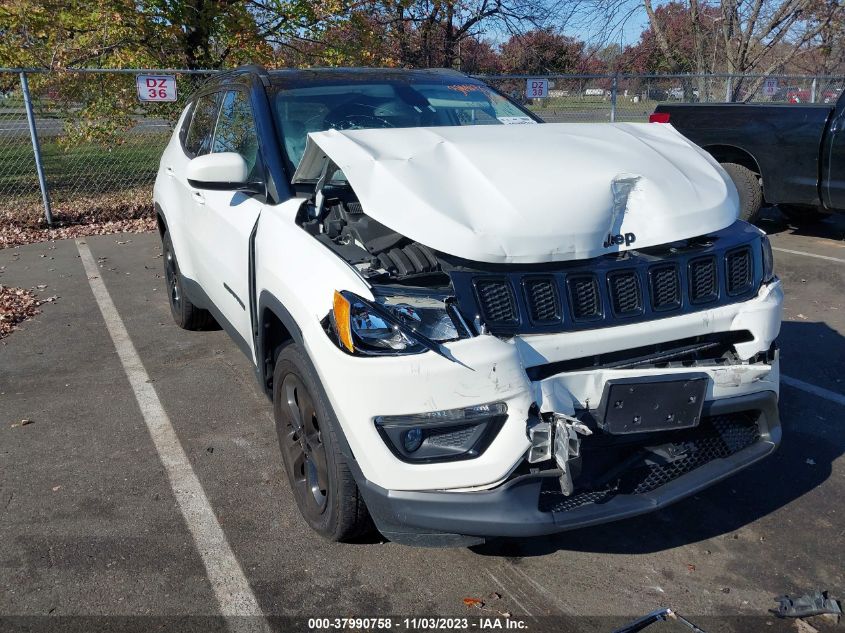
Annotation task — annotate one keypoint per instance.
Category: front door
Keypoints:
(227, 219)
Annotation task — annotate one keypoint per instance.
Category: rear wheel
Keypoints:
(186, 314)
(748, 187)
(322, 484)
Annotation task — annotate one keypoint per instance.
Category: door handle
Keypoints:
(198, 197)
(170, 172)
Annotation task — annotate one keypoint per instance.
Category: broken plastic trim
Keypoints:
(567, 447)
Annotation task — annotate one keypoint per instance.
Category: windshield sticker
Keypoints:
(516, 120)
(465, 89)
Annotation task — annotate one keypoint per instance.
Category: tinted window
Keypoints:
(236, 128)
(198, 140)
(356, 105)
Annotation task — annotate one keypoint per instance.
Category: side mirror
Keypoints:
(221, 171)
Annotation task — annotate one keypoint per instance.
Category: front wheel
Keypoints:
(748, 187)
(322, 484)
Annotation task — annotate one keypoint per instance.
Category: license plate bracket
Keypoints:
(651, 403)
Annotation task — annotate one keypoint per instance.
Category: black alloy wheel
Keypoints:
(302, 441)
(310, 440)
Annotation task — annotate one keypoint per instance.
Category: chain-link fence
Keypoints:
(604, 98)
(100, 146)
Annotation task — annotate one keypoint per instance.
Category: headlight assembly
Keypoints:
(394, 323)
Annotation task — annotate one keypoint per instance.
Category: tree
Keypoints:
(62, 34)
(430, 33)
(542, 51)
(764, 35)
(753, 36)
(478, 57)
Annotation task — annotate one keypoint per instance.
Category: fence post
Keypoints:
(813, 90)
(728, 88)
(614, 90)
(36, 149)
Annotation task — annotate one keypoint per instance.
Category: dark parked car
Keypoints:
(789, 155)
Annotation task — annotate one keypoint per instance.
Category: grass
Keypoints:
(86, 168)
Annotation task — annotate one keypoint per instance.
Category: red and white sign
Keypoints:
(537, 88)
(156, 87)
(770, 87)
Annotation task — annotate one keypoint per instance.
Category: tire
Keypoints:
(801, 216)
(750, 193)
(322, 483)
(186, 315)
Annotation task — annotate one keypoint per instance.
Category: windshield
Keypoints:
(359, 105)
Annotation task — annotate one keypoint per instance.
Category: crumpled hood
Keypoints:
(531, 193)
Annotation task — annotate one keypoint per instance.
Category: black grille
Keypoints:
(452, 436)
(614, 289)
(732, 434)
(584, 297)
(719, 437)
(738, 264)
(543, 303)
(496, 299)
(703, 280)
(625, 294)
(665, 288)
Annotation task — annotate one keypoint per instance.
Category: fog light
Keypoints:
(413, 439)
(438, 436)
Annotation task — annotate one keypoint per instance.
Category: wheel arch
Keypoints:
(276, 327)
(161, 223)
(733, 154)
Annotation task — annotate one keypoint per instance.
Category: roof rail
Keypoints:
(257, 69)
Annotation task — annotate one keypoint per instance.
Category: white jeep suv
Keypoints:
(471, 324)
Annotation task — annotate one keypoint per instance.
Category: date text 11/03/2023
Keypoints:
(418, 624)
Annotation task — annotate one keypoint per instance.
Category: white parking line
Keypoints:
(825, 257)
(230, 586)
(821, 392)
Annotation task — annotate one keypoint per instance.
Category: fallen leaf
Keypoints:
(473, 602)
(690, 567)
(804, 627)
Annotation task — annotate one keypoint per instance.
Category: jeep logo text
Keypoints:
(627, 239)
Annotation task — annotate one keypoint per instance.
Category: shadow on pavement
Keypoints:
(734, 503)
(773, 222)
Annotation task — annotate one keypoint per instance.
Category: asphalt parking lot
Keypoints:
(92, 533)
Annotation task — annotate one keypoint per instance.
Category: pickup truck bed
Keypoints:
(796, 152)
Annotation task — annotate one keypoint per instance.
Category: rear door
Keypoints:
(226, 219)
(833, 165)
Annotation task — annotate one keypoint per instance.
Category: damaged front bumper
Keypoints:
(736, 433)
(496, 493)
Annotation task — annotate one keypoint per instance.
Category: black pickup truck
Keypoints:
(789, 155)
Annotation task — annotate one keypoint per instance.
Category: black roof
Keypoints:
(300, 76)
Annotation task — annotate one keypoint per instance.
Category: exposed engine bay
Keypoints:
(335, 217)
